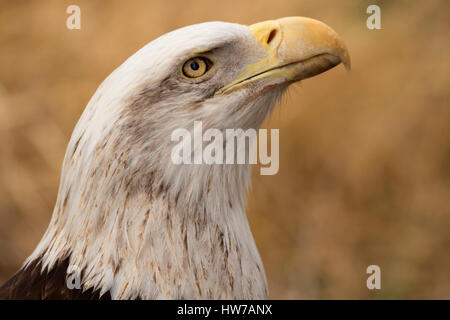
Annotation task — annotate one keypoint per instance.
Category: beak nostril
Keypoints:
(271, 36)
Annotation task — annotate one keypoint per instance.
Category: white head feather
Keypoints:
(135, 223)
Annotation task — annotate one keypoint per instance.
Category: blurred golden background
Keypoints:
(364, 156)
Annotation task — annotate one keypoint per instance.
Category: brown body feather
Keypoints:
(29, 283)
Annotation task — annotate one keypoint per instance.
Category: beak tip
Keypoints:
(347, 64)
(345, 58)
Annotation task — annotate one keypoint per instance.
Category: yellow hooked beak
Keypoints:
(297, 48)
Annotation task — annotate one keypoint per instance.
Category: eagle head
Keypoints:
(133, 223)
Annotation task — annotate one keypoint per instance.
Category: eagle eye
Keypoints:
(196, 67)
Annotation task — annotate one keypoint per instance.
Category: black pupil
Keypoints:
(194, 65)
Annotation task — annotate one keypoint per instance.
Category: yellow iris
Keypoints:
(196, 67)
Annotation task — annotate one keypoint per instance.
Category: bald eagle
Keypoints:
(131, 224)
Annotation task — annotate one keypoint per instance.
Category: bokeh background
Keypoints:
(364, 156)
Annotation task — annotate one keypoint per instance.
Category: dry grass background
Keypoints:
(364, 157)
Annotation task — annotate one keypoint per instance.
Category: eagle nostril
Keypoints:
(271, 36)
